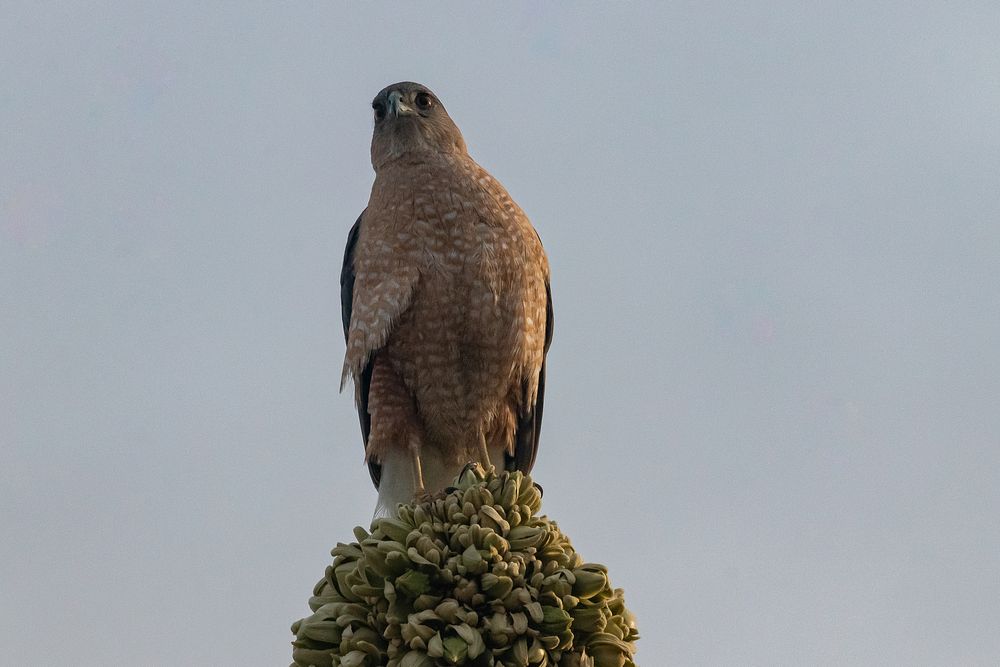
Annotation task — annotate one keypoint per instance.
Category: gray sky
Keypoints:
(773, 406)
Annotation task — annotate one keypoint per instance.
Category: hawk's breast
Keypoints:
(473, 331)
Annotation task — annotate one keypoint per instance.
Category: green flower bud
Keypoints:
(412, 583)
(471, 577)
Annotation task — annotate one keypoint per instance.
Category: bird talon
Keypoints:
(421, 496)
(474, 467)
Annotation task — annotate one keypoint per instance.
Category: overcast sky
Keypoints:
(773, 403)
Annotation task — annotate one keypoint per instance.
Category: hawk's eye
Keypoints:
(379, 110)
(424, 101)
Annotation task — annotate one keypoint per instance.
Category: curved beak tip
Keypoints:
(396, 106)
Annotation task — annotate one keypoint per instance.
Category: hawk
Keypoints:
(446, 305)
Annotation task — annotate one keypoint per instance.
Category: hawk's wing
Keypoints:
(365, 378)
(529, 422)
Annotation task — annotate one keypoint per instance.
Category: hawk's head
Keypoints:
(409, 119)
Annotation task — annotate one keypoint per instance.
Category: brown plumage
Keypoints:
(446, 304)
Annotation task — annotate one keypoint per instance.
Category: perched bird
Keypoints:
(446, 305)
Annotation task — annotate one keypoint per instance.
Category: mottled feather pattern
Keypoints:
(375, 313)
(445, 243)
(445, 287)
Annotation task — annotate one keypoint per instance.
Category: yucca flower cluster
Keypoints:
(472, 577)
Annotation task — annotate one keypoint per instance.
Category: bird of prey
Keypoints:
(446, 306)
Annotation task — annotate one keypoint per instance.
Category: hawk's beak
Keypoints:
(396, 106)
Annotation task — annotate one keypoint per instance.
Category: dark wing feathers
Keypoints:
(346, 303)
(529, 421)
(347, 276)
